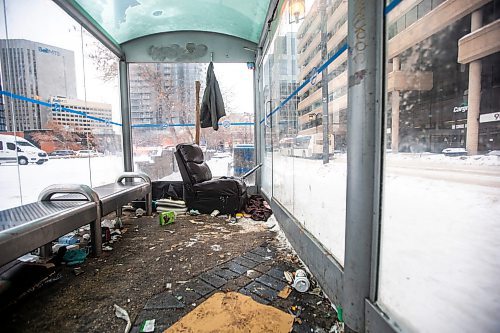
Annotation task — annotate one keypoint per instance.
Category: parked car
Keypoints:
(62, 154)
(87, 153)
(454, 152)
(17, 149)
(494, 153)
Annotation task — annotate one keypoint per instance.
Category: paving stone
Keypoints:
(254, 297)
(271, 282)
(164, 300)
(242, 281)
(245, 262)
(237, 268)
(213, 280)
(263, 268)
(277, 274)
(262, 290)
(264, 251)
(255, 257)
(200, 287)
(188, 296)
(224, 273)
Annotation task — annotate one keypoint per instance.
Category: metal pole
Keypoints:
(257, 115)
(197, 113)
(324, 82)
(128, 164)
(365, 41)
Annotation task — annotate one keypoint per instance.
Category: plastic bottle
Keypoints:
(69, 239)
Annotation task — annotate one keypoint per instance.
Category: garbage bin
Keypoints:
(243, 158)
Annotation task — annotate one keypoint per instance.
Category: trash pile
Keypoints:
(79, 241)
(256, 209)
(299, 281)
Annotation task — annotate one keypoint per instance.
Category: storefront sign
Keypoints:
(458, 109)
(489, 117)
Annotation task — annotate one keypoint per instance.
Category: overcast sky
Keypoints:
(43, 21)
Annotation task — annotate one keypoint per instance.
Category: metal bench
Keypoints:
(28, 227)
(63, 208)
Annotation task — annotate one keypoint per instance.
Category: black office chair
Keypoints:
(228, 195)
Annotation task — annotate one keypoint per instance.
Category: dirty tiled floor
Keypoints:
(162, 273)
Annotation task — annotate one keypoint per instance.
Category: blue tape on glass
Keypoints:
(187, 125)
(57, 107)
(391, 6)
(342, 49)
(312, 79)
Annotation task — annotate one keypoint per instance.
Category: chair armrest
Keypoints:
(219, 186)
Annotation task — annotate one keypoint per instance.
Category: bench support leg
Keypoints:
(46, 250)
(119, 212)
(149, 204)
(96, 237)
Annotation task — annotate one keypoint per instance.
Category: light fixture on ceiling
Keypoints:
(296, 10)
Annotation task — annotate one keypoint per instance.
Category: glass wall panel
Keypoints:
(307, 67)
(163, 104)
(440, 231)
(9, 170)
(59, 102)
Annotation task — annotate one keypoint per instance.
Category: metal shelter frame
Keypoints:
(353, 287)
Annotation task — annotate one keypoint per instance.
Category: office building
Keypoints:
(38, 71)
(436, 100)
(78, 123)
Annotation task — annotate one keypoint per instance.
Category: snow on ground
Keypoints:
(34, 178)
(440, 233)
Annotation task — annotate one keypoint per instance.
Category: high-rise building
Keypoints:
(443, 77)
(38, 71)
(3, 127)
(309, 58)
(163, 93)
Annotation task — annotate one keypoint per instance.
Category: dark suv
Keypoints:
(62, 153)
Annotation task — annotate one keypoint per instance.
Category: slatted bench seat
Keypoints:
(28, 227)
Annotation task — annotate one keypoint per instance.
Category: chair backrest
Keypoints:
(191, 163)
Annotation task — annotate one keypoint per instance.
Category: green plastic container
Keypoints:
(166, 218)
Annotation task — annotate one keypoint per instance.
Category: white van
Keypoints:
(16, 149)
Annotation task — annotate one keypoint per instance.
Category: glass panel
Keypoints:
(320, 197)
(102, 105)
(11, 194)
(163, 102)
(308, 162)
(126, 20)
(439, 236)
(62, 105)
